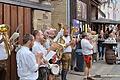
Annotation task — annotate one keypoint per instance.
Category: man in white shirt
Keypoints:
(87, 51)
(38, 47)
(27, 62)
(3, 54)
(3, 59)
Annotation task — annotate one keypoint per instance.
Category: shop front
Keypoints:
(80, 17)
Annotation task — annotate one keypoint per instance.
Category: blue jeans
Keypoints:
(101, 51)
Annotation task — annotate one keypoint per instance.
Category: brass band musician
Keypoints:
(5, 50)
(39, 47)
(66, 56)
(3, 57)
(64, 39)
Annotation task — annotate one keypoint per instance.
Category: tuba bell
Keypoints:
(3, 31)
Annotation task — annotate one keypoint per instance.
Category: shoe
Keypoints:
(71, 68)
(94, 61)
(101, 58)
(90, 78)
(85, 79)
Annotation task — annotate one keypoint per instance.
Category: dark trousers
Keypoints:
(73, 56)
(80, 62)
(2, 73)
(43, 73)
(64, 74)
(94, 55)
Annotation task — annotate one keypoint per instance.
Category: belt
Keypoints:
(67, 53)
(3, 62)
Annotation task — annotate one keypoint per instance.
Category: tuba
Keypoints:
(3, 30)
(60, 42)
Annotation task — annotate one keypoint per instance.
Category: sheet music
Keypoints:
(49, 55)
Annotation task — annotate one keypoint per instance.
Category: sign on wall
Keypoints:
(81, 10)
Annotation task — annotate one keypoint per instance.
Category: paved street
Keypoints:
(105, 72)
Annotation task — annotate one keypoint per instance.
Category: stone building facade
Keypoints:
(59, 13)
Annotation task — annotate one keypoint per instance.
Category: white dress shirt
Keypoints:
(87, 48)
(48, 43)
(3, 54)
(27, 68)
(67, 41)
(38, 48)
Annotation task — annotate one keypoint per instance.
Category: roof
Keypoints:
(105, 21)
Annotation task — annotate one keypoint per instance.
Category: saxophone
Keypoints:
(3, 30)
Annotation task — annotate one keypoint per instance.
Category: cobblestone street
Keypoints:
(100, 68)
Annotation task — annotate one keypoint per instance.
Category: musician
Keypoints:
(27, 62)
(3, 57)
(66, 57)
(50, 35)
(3, 54)
(38, 47)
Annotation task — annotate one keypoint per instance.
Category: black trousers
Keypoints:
(2, 73)
(64, 74)
(43, 73)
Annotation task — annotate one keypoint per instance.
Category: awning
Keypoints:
(105, 21)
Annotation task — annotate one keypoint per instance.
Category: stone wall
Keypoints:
(59, 12)
(41, 19)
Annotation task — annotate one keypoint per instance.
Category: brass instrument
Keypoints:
(73, 30)
(3, 30)
(60, 42)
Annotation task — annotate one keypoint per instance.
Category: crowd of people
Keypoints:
(43, 55)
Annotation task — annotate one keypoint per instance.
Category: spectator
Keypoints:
(87, 51)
